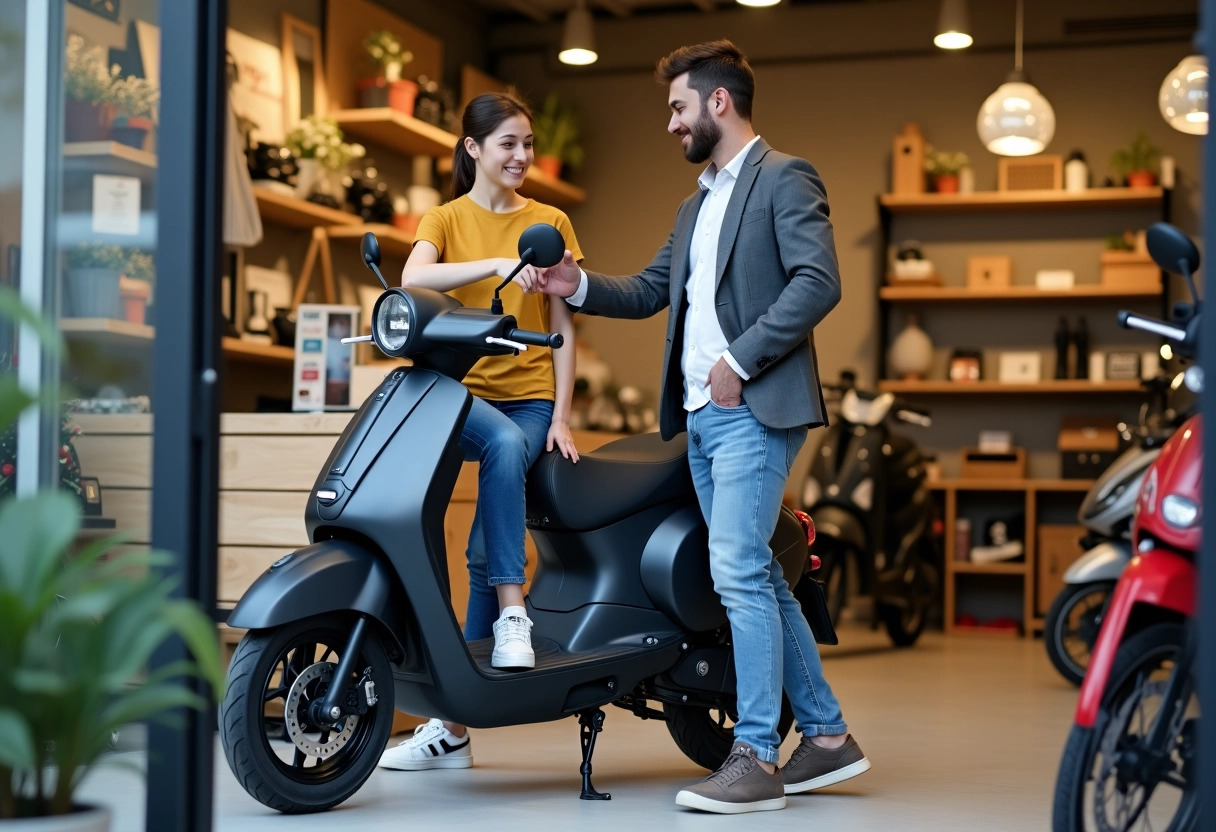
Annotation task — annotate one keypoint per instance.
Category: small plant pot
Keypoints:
(550, 166)
(133, 132)
(1141, 179)
(946, 183)
(92, 293)
(86, 121)
(134, 294)
(398, 95)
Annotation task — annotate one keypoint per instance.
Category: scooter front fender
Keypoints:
(1159, 578)
(329, 576)
(1104, 562)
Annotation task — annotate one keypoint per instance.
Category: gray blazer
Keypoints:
(777, 277)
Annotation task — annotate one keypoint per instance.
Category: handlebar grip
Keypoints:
(1129, 320)
(535, 339)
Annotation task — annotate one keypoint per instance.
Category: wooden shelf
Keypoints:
(546, 189)
(1010, 485)
(1021, 200)
(297, 213)
(396, 131)
(972, 388)
(87, 158)
(393, 241)
(965, 566)
(250, 352)
(931, 294)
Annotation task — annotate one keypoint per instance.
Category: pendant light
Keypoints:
(757, 4)
(953, 30)
(1184, 96)
(578, 38)
(1016, 120)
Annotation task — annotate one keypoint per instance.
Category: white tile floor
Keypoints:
(964, 733)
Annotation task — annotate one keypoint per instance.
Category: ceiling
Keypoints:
(547, 10)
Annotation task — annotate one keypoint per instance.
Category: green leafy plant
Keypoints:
(320, 138)
(134, 97)
(140, 265)
(1142, 154)
(86, 75)
(77, 629)
(555, 132)
(386, 50)
(945, 162)
(92, 256)
(1121, 242)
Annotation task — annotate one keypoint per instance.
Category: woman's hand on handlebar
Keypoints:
(559, 437)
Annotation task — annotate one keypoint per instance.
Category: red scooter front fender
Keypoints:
(1157, 577)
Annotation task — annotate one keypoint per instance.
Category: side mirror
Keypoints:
(370, 247)
(541, 245)
(1172, 250)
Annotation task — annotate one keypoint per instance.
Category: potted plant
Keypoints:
(92, 281)
(1126, 263)
(88, 107)
(388, 89)
(77, 629)
(944, 167)
(135, 286)
(555, 137)
(320, 150)
(1137, 163)
(135, 100)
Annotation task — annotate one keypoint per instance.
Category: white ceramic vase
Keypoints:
(911, 353)
(308, 174)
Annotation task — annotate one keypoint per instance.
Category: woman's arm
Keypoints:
(424, 270)
(561, 319)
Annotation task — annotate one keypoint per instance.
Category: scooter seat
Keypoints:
(618, 479)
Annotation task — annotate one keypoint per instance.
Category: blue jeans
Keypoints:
(505, 438)
(739, 468)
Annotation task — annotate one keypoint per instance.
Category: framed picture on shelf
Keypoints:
(966, 365)
(1021, 367)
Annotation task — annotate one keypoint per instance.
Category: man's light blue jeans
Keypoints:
(505, 438)
(739, 468)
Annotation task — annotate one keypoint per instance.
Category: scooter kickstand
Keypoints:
(590, 723)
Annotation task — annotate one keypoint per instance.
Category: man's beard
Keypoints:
(704, 135)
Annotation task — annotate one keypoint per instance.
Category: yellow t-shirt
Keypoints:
(462, 230)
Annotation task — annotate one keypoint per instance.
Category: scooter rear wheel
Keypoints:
(273, 676)
(1072, 626)
(705, 735)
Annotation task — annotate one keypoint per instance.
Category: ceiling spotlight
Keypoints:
(578, 38)
(952, 26)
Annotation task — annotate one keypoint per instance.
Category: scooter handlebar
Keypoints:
(1130, 320)
(535, 339)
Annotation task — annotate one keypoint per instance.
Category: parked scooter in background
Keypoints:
(1072, 622)
(868, 495)
(1131, 757)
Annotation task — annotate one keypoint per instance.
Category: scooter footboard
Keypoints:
(1158, 578)
(324, 577)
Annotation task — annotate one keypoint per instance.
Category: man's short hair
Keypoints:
(711, 65)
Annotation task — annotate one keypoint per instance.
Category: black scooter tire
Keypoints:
(1069, 809)
(704, 739)
(243, 732)
(1053, 628)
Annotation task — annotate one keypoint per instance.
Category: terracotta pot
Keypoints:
(85, 121)
(946, 183)
(549, 165)
(134, 294)
(1141, 179)
(398, 95)
(83, 819)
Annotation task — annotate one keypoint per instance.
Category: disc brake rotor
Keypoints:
(302, 693)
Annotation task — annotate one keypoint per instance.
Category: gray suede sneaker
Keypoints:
(739, 786)
(811, 767)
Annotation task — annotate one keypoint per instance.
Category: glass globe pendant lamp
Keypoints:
(1184, 96)
(1016, 120)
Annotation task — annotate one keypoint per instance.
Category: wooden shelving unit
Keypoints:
(393, 241)
(238, 349)
(975, 388)
(1115, 198)
(111, 158)
(297, 213)
(960, 294)
(112, 333)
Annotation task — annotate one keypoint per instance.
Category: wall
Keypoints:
(835, 83)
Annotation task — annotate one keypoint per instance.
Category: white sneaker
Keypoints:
(431, 746)
(513, 639)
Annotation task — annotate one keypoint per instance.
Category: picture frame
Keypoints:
(324, 366)
(966, 365)
(1122, 365)
(256, 92)
(1020, 367)
(304, 90)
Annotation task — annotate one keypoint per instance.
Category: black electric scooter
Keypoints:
(360, 622)
(868, 495)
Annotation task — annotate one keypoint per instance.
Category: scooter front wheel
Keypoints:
(277, 752)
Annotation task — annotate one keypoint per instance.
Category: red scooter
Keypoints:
(1130, 761)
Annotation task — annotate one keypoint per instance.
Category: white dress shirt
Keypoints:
(704, 341)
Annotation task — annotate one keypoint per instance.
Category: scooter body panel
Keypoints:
(1159, 578)
(1104, 562)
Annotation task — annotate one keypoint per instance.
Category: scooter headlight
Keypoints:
(394, 322)
(1179, 512)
